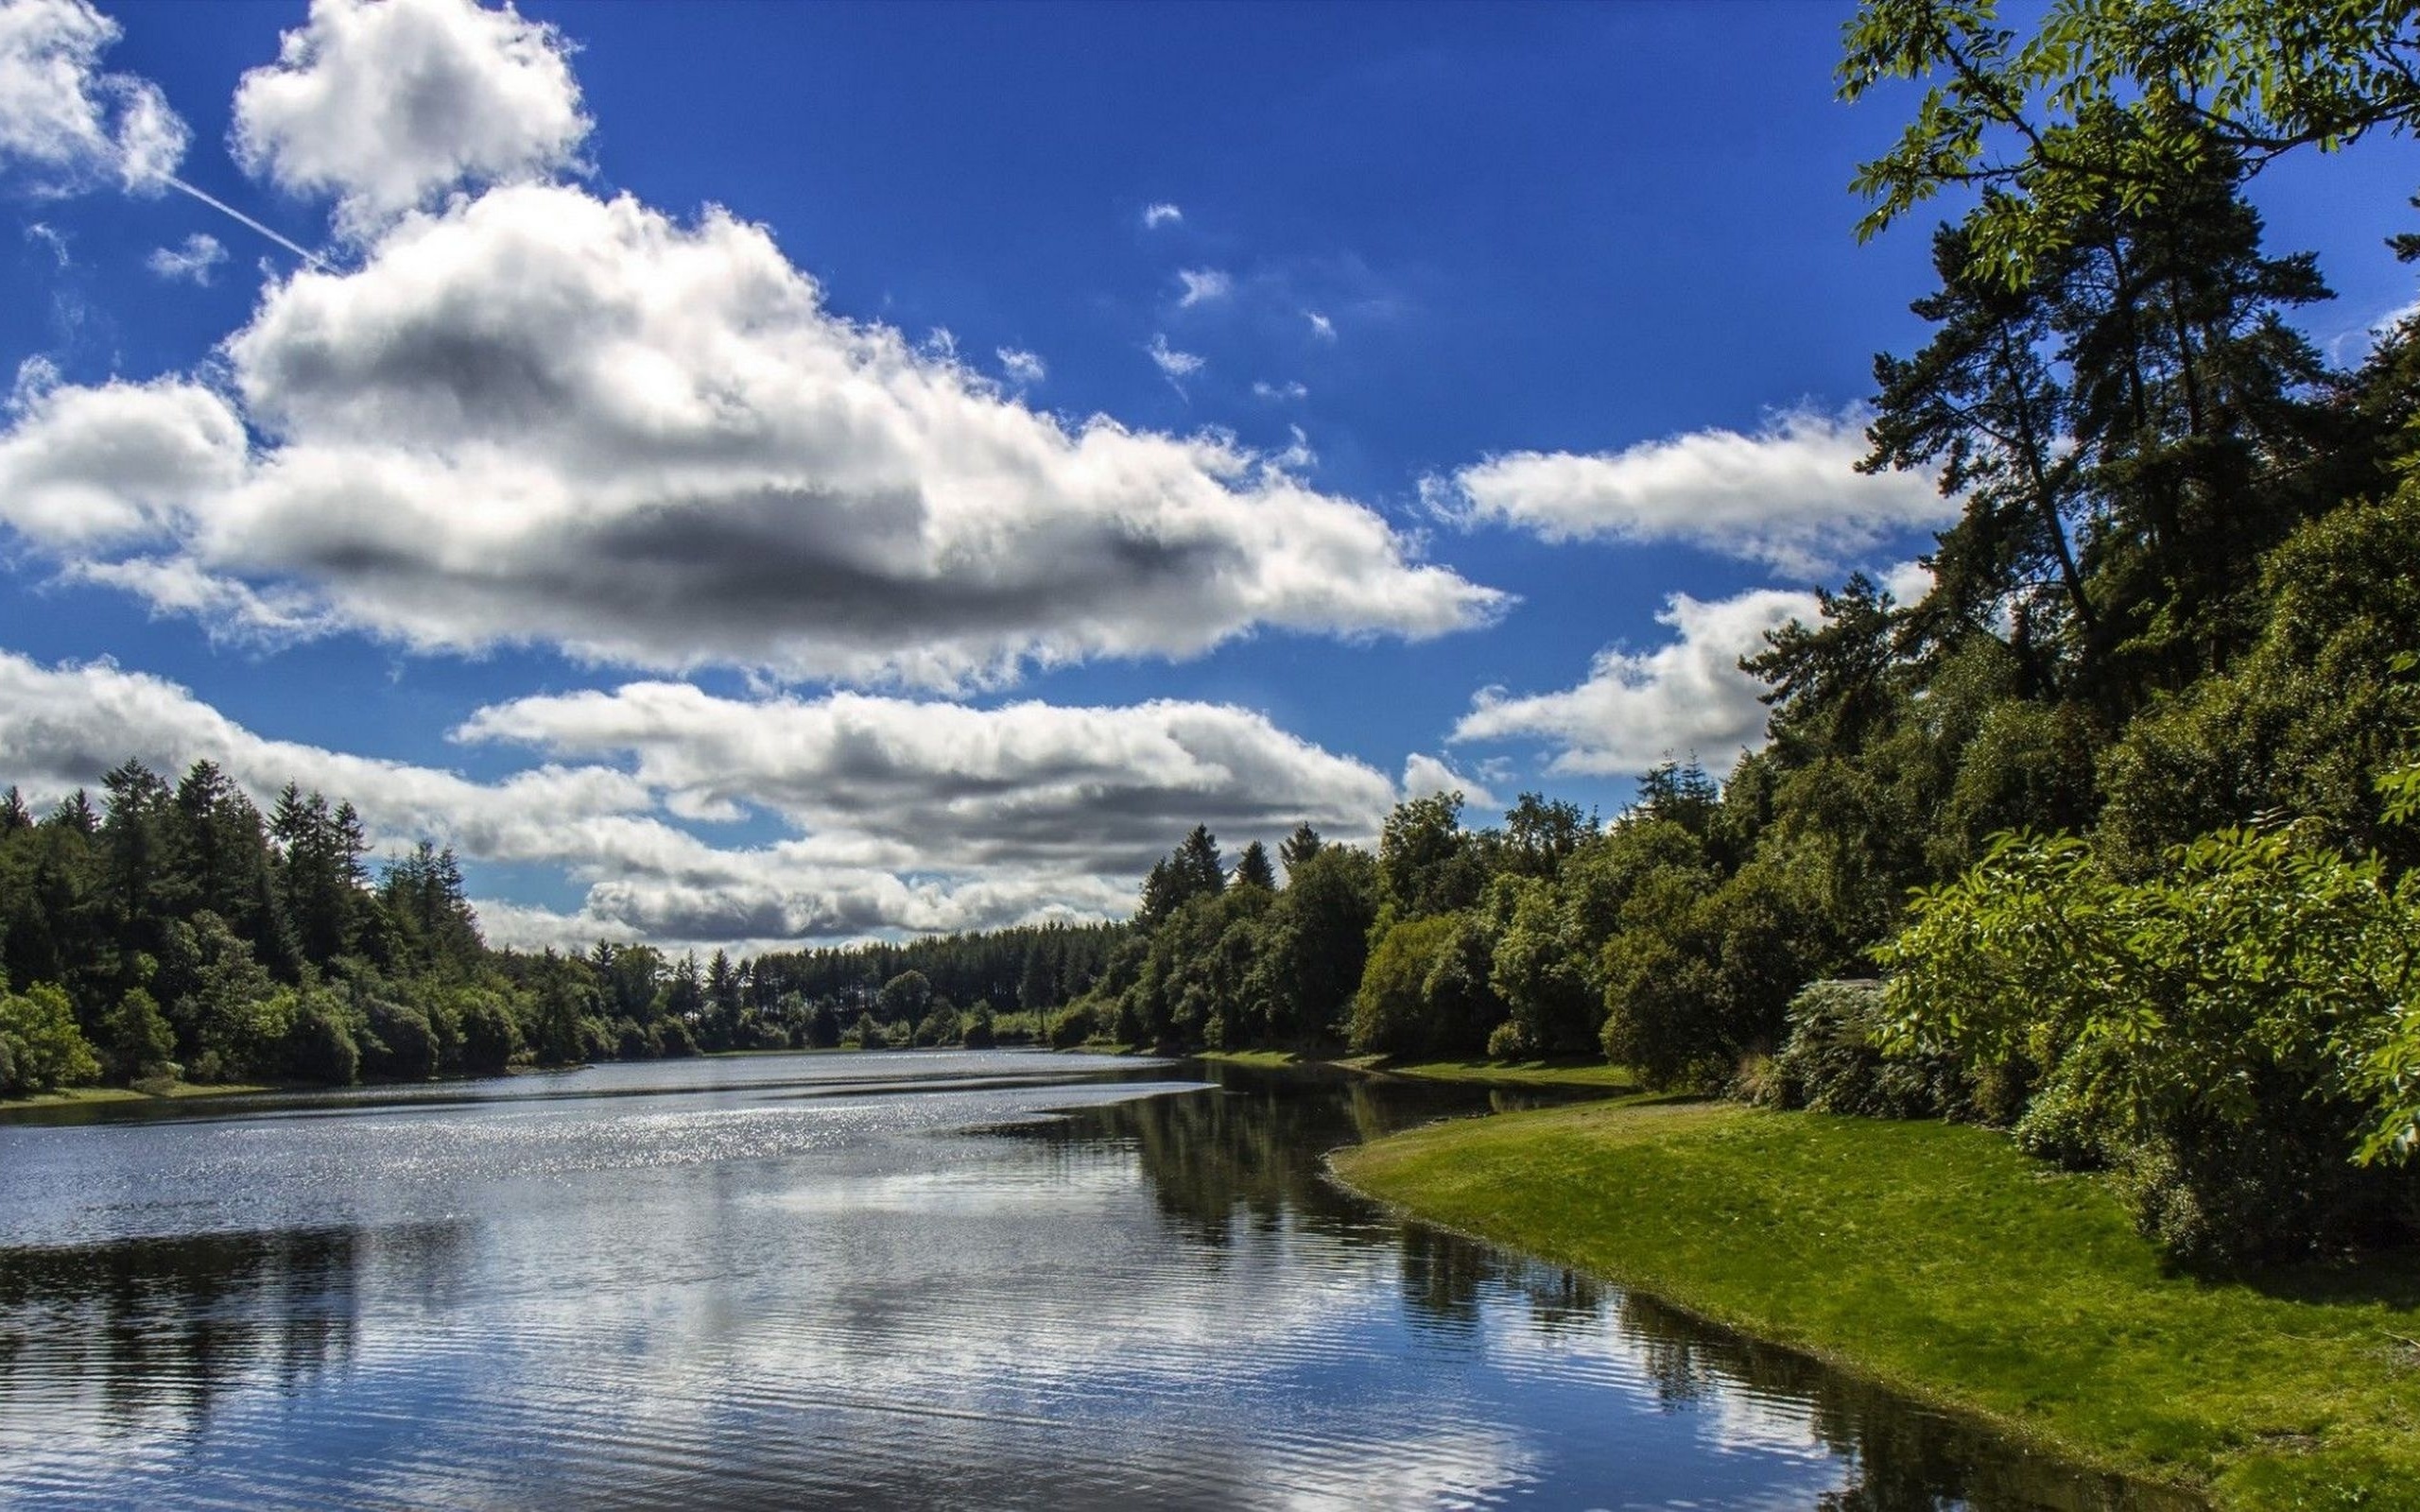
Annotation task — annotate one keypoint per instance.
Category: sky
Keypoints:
(751, 475)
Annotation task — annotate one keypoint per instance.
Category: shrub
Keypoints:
(2238, 1037)
(490, 1037)
(45, 1049)
(1070, 1026)
(319, 1045)
(136, 1036)
(400, 1046)
(1832, 1061)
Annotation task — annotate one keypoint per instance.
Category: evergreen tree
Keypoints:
(1252, 869)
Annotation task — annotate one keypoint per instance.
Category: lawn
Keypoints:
(1937, 1257)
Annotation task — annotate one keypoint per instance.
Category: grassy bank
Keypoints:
(88, 1096)
(1939, 1259)
(1593, 1073)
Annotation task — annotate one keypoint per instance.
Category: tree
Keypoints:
(2111, 103)
(44, 1048)
(1252, 869)
(136, 1039)
(1298, 848)
(1427, 863)
(906, 998)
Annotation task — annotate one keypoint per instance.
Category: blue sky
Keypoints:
(1076, 420)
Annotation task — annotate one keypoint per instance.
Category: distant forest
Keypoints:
(2121, 805)
(177, 931)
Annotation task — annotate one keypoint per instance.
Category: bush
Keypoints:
(136, 1036)
(1071, 1026)
(400, 1046)
(319, 1045)
(1832, 1061)
(2238, 1037)
(489, 1038)
(673, 1039)
(45, 1049)
(1425, 990)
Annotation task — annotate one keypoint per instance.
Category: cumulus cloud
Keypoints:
(1788, 496)
(538, 416)
(1161, 215)
(1202, 285)
(923, 784)
(1021, 367)
(1426, 776)
(1321, 326)
(89, 467)
(1277, 393)
(64, 123)
(196, 261)
(1683, 699)
(384, 104)
(898, 814)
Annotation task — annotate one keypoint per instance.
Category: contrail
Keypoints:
(224, 208)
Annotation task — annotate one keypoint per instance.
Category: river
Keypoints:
(931, 1279)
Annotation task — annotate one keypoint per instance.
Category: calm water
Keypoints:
(958, 1280)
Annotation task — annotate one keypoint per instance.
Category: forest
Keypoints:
(2119, 812)
(175, 932)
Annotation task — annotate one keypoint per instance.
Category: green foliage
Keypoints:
(136, 1040)
(490, 1037)
(1425, 990)
(318, 1045)
(1833, 1060)
(1427, 862)
(2110, 102)
(45, 1048)
(2228, 1034)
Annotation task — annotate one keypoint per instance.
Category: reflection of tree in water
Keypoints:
(1252, 1151)
(1903, 1456)
(158, 1326)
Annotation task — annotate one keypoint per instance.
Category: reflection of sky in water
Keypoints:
(768, 1283)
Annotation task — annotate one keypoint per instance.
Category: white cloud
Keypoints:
(1426, 776)
(84, 468)
(48, 237)
(1171, 362)
(1907, 582)
(919, 783)
(1321, 326)
(536, 416)
(1683, 699)
(64, 122)
(1788, 496)
(1021, 367)
(197, 260)
(1203, 285)
(1277, 393)
(901, 815)
(385, 104)
(1161, 215)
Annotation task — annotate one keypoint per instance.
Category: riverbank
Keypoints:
(172, 1092)
(1592, 1074)
(1939, 1259)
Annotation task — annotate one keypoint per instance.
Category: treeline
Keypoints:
(175, 931)
(2114, 801)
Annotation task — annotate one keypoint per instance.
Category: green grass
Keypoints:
(1595, 1074)
(1939, 1259)
(87, 1096)
(1522, 1072)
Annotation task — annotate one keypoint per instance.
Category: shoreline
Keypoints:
(1957, 1273)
